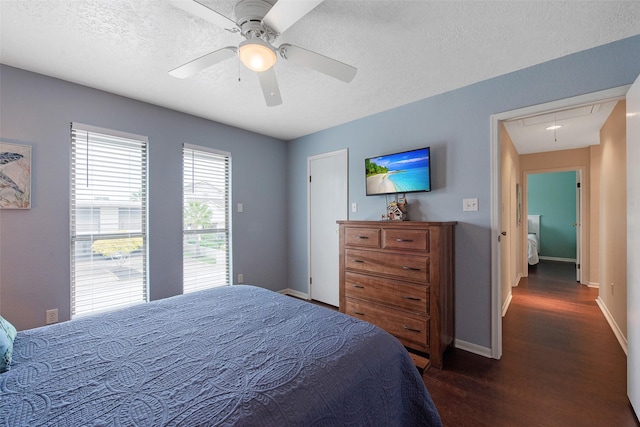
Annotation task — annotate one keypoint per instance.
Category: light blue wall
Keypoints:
(269, 238)
(34, 244)
(553, 195)
(456, 125)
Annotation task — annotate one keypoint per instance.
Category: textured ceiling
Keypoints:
(404, 51)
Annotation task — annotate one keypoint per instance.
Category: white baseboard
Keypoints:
(473, 348)
(593, 284)
(553, 258)
(294, 293)
(614, 326)
(505, 306)
(520, 276)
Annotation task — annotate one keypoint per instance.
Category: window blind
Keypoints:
(206, 218)
(108, 219)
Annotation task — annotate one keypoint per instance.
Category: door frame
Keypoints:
(580, 207)
(344, 153)
(578, 224)
(496, 199)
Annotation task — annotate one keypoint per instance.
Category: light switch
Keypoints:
(240, 207)
(469, 205)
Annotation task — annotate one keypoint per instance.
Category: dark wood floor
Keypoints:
(561, 363)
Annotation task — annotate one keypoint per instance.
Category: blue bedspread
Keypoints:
(239, 355)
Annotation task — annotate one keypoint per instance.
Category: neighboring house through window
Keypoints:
(108, 219)
(206, 218)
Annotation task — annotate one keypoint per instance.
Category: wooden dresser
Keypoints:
(400, 277)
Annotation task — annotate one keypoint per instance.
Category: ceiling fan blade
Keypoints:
(205, 61)
(285, 13)
(202, 11)
(321, 63)
(269, 85)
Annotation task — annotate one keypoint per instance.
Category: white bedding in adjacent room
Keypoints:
(532, 251)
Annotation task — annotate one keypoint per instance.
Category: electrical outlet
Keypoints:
(354, 207)
(52, 316)
(470, 205)
(240, 278)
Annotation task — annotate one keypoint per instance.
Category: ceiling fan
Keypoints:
(260, 23)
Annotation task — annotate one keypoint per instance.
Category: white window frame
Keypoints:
(102, 282)
(202, 275)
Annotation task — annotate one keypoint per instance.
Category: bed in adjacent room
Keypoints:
(533, 239)
(532, 249)
(236, 355)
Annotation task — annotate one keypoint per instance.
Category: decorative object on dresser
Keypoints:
(397, 210)
(399, 275)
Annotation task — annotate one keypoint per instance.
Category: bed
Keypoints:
(533, 239)
(235, 355)
(532, 249)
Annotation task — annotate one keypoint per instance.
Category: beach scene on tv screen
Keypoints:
(398, 173)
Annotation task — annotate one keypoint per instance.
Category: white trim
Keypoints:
(506, 304)
(559, 259)
(496, 262)
(110, 132)
(520, 276)
(294, 293)
(614, 326)
(593, 285)
(495, 119)
(580, 217)
(473, 348)
(203, 148)
(580, 171)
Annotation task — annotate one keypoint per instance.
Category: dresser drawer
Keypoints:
(400, 294)
(412, 267)
(415, 240)
(411, 330)
(364, 237)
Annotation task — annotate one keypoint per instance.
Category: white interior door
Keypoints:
(633, 245)
(328, 203)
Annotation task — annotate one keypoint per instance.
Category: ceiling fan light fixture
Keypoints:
(257, 55)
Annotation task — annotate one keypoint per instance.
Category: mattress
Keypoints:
(236, 355)
(532, 249)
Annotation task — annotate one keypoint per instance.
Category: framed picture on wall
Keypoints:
(15, 176)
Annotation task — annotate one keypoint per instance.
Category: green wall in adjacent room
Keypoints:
(553, 196)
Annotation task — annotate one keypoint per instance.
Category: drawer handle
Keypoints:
(404, 240)
(357, 312)
(406, 328)
(358, 260)
(358, 286)
(410, 298)
(363, 237)
(404, 267)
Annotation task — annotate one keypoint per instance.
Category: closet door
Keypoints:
(327, 203)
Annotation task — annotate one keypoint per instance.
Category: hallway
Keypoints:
(561, 363)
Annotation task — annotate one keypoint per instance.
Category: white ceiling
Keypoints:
(404, 51)
(579, 128)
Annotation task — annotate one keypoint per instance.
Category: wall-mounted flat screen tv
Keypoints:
(403, 172)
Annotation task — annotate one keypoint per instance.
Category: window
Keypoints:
(206, 202)
(108, 219)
